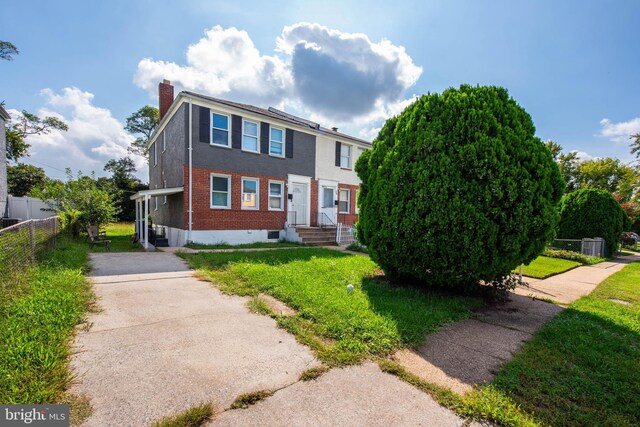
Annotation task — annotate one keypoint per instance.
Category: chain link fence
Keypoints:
(22, 243)
(592, 247)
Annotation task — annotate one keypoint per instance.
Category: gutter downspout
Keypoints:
(190, 170)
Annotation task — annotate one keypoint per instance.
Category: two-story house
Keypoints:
(221, 171)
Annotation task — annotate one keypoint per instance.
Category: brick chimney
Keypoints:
(165, 93)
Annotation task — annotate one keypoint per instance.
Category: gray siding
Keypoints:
(3, 169)
(235, 160)
(170, 168)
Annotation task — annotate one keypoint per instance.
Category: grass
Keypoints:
(581, 368)
(245, 400)
(120, 236)
(341, 328)
(313, 373)
(192, 417)
(543, 267)
(256, 245)
(36, 325)
(485, 404)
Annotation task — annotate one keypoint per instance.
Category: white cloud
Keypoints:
(329, 76)
(619, 132)
(94, 135)
(583, 155)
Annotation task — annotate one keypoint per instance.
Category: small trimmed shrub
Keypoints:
(589, 213)
(572, 256)
(458, 189)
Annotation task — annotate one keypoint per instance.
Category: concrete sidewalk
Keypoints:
(472, 351)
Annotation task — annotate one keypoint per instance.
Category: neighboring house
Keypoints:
(4, 118)
(221, 171)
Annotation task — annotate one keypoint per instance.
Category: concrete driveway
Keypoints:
(165, 341)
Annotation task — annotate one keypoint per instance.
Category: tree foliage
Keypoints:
(21, 179)
(7, 50)
(79, 200)
(123, 184)
(458, 189)
(28, 124)
(589, 213)
(635, 145)
(607, 174)
(142, 123)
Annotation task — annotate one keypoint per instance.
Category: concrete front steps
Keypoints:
(317, 236)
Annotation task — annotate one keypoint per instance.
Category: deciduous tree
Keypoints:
(142, 123)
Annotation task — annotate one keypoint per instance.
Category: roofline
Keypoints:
(234, 106)
(4, 113)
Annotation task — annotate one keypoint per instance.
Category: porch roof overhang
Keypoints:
(157, 192)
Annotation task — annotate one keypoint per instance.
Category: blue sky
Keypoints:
(570, 64)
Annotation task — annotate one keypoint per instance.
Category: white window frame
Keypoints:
(228, 178)
(257, 136)
(357, 194)
(155, 199)
(164, 142)
(164, 185)
(226, 130)
(155, 154)
(257, 180)
(347, 157)
(340, 190)
(277, 142)
(281, 195)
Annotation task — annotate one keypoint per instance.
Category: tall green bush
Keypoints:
(457, 189)
(591, 213)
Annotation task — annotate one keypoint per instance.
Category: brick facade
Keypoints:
(314, 202)
(207, 218)
(350, 218)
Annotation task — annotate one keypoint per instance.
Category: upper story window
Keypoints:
(276, 142)
(220, 191)
(344, 202)
(250, 193)
(220, 129)
(155, 154)
(249, 136)
(276, 195)
(345, 156)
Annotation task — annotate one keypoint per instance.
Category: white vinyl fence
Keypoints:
(26, 208)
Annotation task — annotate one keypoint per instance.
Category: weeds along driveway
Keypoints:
(164, 341)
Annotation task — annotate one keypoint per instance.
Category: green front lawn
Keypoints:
(341, 328)
(543, 267)
(583, 367)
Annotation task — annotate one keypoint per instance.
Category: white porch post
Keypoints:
(137, 219)
(146, 221)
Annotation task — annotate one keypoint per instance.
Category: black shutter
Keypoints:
(264, 137)
(204, 127)
(288, 149)
(236, 131)
(338, 153)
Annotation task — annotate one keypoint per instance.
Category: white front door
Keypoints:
(327, 202)
(299, 204)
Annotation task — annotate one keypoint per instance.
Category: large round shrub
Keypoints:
(458, 189)
(589, 213)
